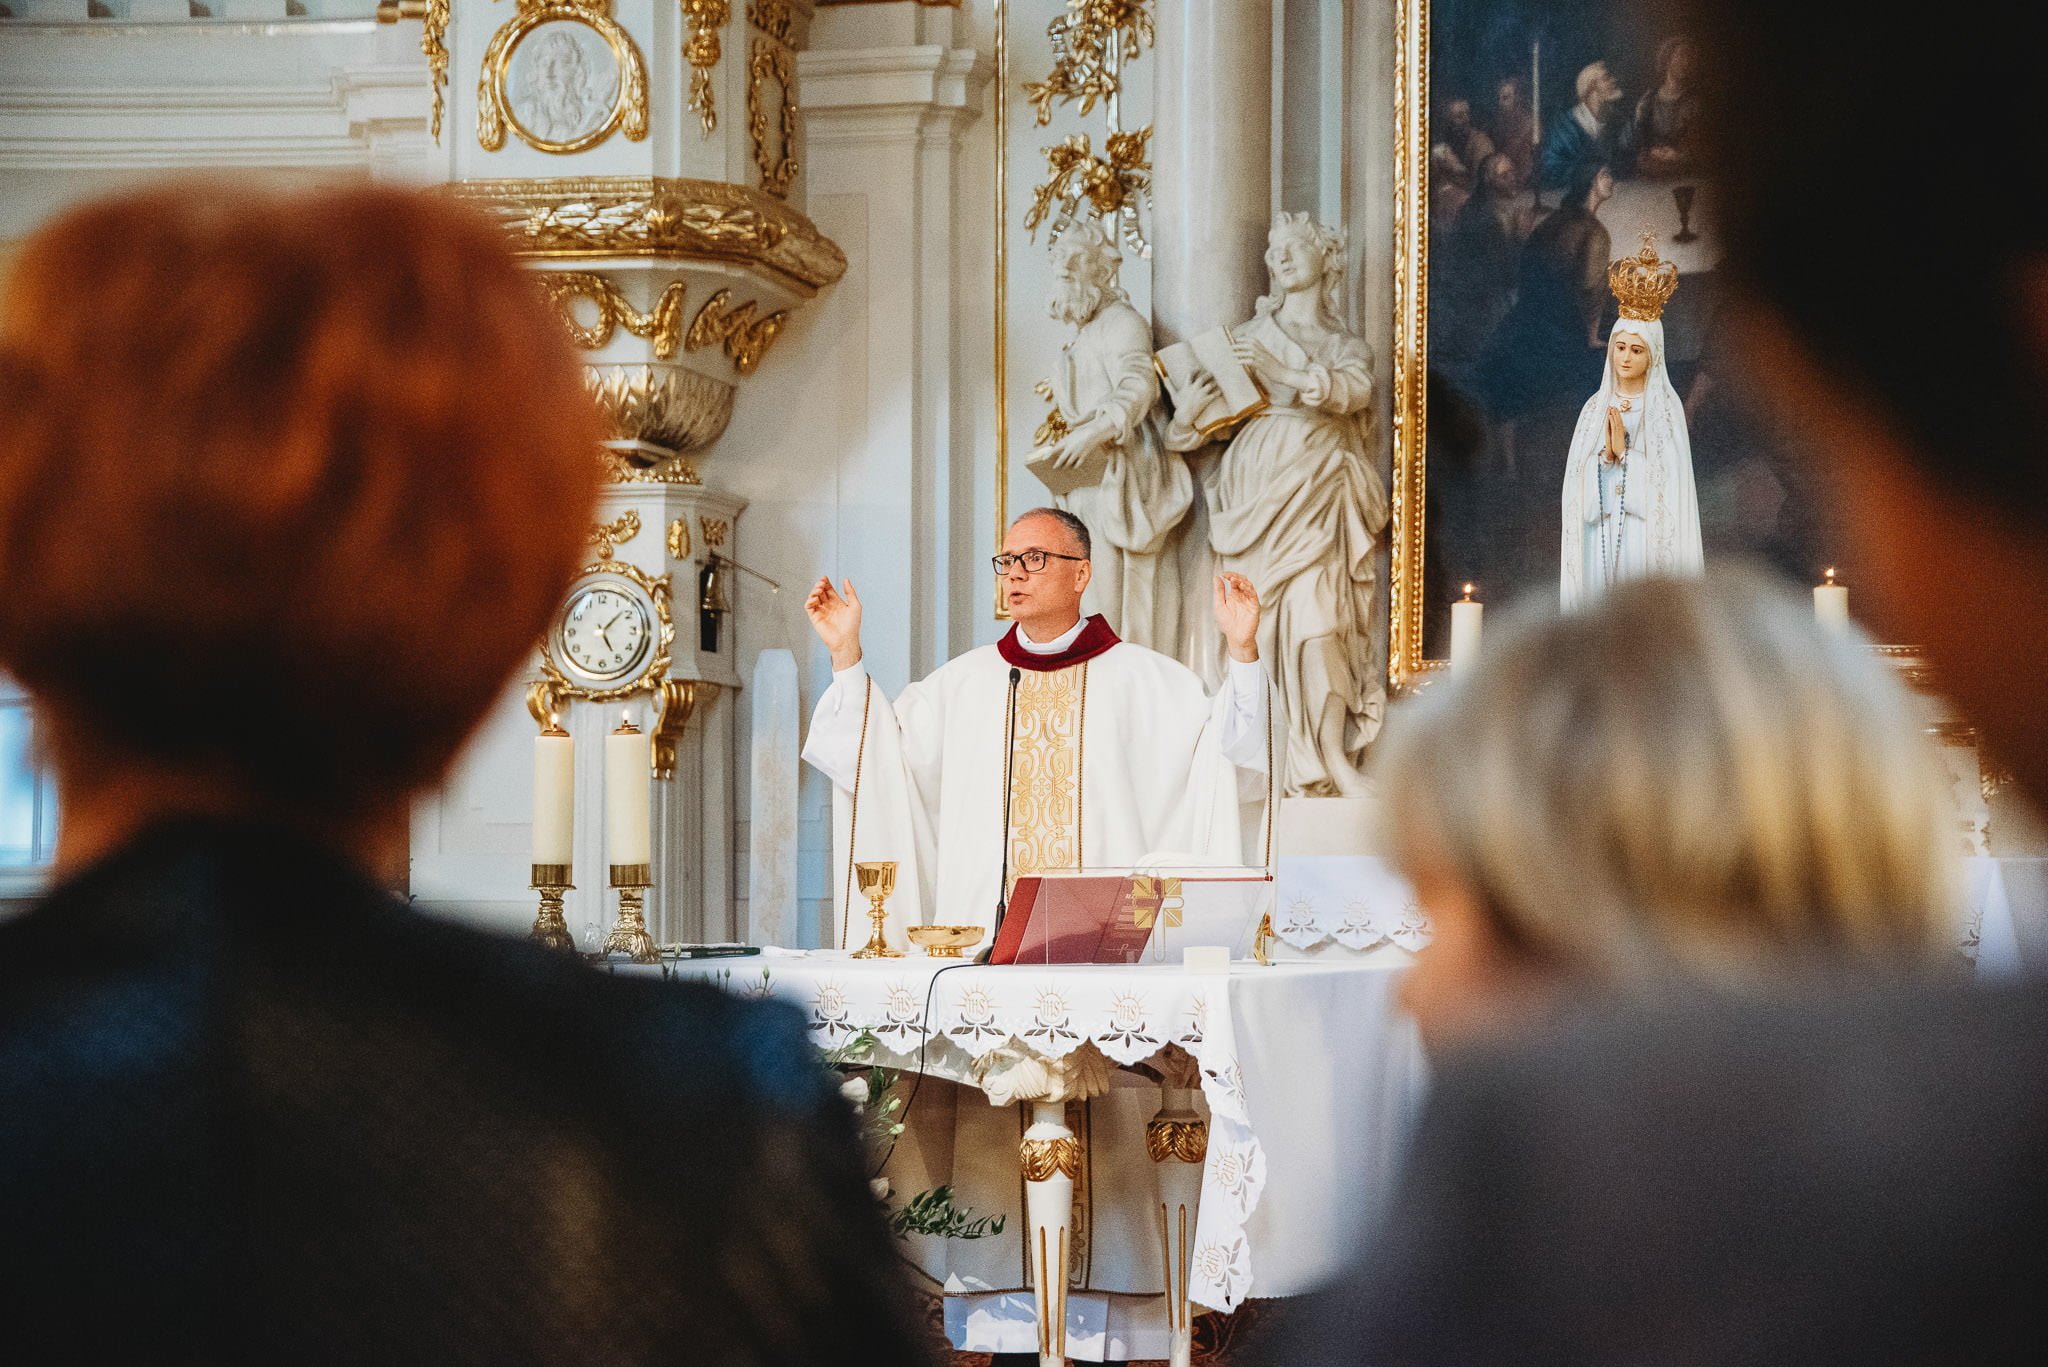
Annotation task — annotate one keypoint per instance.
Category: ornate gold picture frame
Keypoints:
(1411, 340)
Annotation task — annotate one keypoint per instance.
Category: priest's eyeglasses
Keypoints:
(1032, 560)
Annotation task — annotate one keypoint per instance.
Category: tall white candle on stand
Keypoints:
(1466, 615)
(1831, 600)
(627, 770)
(554, 796)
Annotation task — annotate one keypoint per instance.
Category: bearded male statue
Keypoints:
(1108, 393)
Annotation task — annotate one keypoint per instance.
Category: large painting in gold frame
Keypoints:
(1454, 406)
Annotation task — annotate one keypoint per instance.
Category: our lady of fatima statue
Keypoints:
(1631, 509)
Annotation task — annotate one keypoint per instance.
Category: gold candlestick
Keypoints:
(550, 931)
(630, 935)
(877, 880)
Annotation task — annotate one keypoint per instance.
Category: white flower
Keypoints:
(855, 1090)
(880, 1187)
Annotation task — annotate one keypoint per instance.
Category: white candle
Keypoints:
(1831, 601)
(1466, 615)
(627, 770)
(554, 796)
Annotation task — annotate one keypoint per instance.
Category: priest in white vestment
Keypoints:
(1119, 752)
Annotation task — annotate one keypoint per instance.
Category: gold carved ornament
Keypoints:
(607, 535)
(674, 701)
(746, 339)
(705, 18)
(1411, 340)
(1042, 1158)
(714, 530)
(772, 60)
(664, 406)
(679, 538)
(773, 18)
(584, 217)
(1110, 184)
(1179, 1138)
(649, 679)
(493, 109)
(433, 17)
(663, 325)
(1088, 44)
(1055, 425)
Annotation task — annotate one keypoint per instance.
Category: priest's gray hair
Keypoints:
(1074, 526)
(1691, 779)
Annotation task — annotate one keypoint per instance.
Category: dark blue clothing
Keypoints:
(252, 1109)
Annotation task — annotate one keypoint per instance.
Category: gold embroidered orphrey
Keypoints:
(494, 112)
(1045, 772)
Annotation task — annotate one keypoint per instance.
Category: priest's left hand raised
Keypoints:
(1107, 752)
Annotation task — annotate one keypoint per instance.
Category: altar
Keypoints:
(1270, 1104)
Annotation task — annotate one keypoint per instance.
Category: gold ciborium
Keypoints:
(877, 880)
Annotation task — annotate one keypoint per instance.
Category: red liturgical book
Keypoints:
(1083, 918)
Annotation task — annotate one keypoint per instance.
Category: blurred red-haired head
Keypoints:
(289, 482)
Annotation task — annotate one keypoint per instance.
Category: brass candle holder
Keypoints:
(630, 935)
(877, 880)
(550, 931)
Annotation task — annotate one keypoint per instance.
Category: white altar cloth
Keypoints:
(1358, 900)
(1310, 1071)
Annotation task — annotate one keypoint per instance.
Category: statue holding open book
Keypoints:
(1296, 502)
(1110, 466)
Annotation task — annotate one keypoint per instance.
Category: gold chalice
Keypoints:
(877, 879)
(945, 942)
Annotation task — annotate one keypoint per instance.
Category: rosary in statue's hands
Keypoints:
(836, 619)
(1237, 616)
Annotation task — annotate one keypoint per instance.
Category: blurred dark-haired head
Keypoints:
(1893, 257)
(289, 480)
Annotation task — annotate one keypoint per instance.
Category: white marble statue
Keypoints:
(1106, 389)
(1297, 505)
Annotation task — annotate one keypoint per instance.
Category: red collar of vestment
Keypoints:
(1095, 638)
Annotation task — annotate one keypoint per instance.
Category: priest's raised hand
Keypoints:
(836, 619)
(1237, 616)
(1102, 752)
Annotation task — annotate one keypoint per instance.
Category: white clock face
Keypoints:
(605, 632)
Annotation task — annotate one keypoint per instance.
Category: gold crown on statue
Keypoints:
(1643, 283)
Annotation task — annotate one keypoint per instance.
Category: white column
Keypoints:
(771, 823)
(1051, 1160)
(1178, 1140)
(1212, 158)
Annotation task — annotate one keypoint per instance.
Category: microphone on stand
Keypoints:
(1003, 880)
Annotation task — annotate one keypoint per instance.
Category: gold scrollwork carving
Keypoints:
(679, 538)
(433, 17)
(665, 406)
(674, 701)
(773, 18)
(714, 529)
(1082, 65)
(621, 468)
(494, 111)
(583, 217)
(772, 61)
(1184, 1138)
(607, 536)
(705, 18)
(1042, 1158)
(663, 325)
(746, 339)
(1111, 184)
(649, 679)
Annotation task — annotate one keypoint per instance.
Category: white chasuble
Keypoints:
(1119, 757)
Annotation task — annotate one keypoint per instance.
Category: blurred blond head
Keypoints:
(1692, 780)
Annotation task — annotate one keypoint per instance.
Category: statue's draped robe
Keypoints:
(1105, 372)
(1297, 506)
(1119, 755)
